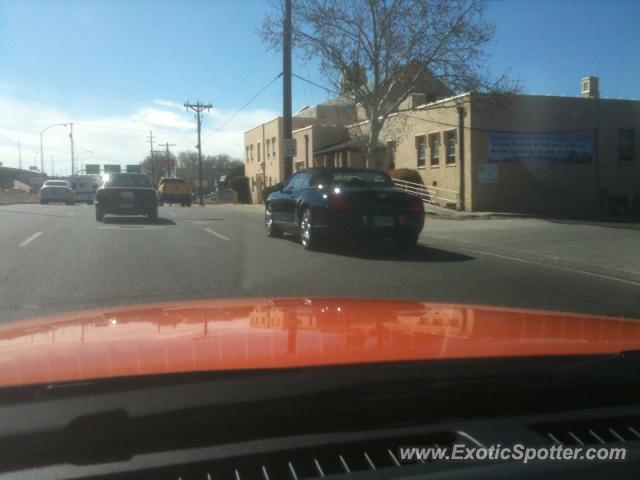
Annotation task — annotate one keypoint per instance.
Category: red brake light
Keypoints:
(415, 204)
(339, 202)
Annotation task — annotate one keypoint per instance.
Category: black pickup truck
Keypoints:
(126, 194)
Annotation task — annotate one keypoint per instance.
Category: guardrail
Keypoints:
(431, 195)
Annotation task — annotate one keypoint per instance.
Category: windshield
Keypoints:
(126, 180)
(54, 183)
(361, 177)
(364, 183)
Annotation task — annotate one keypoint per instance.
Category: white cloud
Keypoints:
(119, 139)
(168, 103)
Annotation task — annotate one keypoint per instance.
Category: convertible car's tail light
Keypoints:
(415, 204)
(339, 202)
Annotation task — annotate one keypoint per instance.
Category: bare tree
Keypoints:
(377, 52)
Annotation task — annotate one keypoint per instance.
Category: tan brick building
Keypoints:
(517, 153)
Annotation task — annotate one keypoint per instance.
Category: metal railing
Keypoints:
(431, 195)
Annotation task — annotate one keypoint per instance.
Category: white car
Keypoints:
(57, 191)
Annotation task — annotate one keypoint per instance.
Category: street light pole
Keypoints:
(71, 139)
(41, 147)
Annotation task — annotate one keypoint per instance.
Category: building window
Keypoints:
(451, 147)
(258, 152)
(268, 150)
(247, 153)
(273, 145)
(251, 146)
(585, 86)
(421, 151)
(626, 145)
(434, 144)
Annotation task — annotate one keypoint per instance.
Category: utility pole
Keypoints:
(286, 88)
(199, 107)
(19, 153)
(153, 170)
(71, 139)
(167, 145)
(52, 171)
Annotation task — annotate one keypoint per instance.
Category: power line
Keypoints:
(327, 89)
(244, 106)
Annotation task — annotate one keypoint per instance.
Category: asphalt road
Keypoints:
(58, 258)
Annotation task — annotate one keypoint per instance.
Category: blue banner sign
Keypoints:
(576, 147)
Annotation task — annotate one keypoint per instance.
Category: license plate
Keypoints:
(383, 221)
(125, 206)
(126, 195)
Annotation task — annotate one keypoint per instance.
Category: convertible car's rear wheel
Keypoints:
(269, 227)
(308, 237)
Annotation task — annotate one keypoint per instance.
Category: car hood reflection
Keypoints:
(284, 333)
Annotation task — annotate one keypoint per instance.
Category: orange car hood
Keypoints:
(281, 333)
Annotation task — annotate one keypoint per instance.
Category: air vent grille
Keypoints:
(591, 431)
(303, 463)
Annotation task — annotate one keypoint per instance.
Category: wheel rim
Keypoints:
(268, 220)
(305, 234)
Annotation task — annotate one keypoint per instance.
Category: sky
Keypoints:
(118, 69)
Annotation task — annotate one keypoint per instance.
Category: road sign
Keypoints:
(133, 169)
(111, 168)
(92, 169)
(290, 147)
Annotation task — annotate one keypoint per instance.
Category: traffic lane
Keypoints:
(22, 227)
(434, 271)
(123, 260)
(18, 221)
(127, 261)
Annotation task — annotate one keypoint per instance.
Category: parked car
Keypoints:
(321, 203)
(174, 190)
(60, 191)
(126, 194)
(84, 187)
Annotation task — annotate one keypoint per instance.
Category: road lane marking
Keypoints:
(71, 213)
(30, 239)
(217, 234)
(173, 214)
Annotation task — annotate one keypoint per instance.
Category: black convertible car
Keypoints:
(323, 203)
(126, 194)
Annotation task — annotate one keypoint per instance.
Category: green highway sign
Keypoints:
(92, 169)
(133, 169)
(111, 168)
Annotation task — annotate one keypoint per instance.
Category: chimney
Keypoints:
(352, 78)
(590, 87)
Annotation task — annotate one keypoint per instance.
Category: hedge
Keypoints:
(408, 175)
(241, 186)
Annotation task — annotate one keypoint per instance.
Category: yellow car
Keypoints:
(174, 190)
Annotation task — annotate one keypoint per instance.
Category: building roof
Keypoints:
(351, 144)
